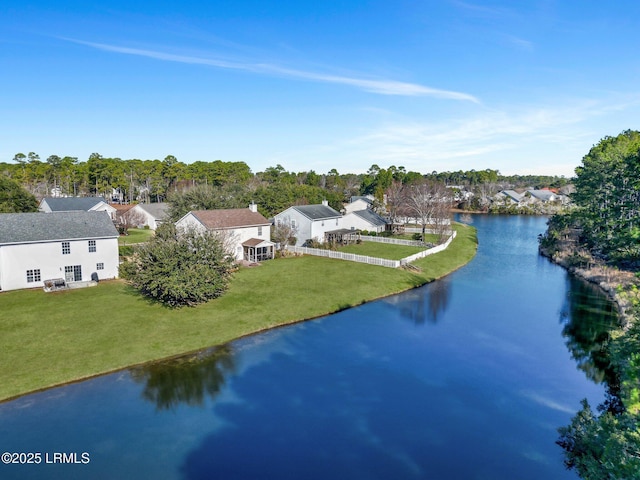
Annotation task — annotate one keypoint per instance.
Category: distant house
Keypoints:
(150, 214)
(359, 203)
(543, 195)
(364, 220)
(311, 222)
(73, 246)
(73, 204)
(510, 196)
(246, 233)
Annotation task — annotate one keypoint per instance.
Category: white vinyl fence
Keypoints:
(320, 252)
(394, 241)
(383, 262)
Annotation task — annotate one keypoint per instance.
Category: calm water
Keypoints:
(466, 378)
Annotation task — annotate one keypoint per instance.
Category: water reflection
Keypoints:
(588, 319)
(424, 304)
(186, 379)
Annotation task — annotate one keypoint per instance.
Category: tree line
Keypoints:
(273, 189)
(606, 223)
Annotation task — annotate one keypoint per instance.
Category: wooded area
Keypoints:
(234, 184)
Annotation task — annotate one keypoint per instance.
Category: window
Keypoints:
(73, 273)
(337, 221)
(92, 245)
(259, 231)
(66, 248)
(33, 275)
(293, 223)
(100, 266)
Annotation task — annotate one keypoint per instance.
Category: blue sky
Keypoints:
(521, 87)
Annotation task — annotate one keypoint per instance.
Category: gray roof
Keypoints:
(544, 195)
(355, 198)
(371, 217)
(159, 211)
(67, 204)
(513, 194)
(316, 212)
(48, 227)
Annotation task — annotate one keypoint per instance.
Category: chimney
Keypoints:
(325, 203)
(253, 207)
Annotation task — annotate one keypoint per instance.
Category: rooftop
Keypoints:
(47, 227)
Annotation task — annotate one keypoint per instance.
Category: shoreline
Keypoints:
(614, 283)
(266, 326)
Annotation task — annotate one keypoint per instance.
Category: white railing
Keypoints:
(430, 251)
(352, 257)
(382, 262)
(427, 230)
(394, 241)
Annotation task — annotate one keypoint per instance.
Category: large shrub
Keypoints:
(180, 269)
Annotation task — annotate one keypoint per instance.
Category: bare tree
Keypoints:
(129, 219)
(396, 201)
(284, 233)
(428, 203)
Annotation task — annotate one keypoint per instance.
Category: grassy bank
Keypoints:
(52, 338)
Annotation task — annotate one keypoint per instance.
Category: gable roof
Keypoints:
(55, 226)
(545, 195)
(316, 212)
(67, 204)
(370, 216)
(513, 194)
(159, 211)
(122, 208)
(364, 198)
(229, 218)
(257, 242)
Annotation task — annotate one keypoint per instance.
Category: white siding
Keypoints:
(303, 224)
(189, 222)
(233, 237)
(359, 204)
(351, 220)
(320, 227)
(105, 207)
(308, 229)
(15, 260)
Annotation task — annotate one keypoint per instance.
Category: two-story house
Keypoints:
(310, 222)
(74, 246)
(245, 233)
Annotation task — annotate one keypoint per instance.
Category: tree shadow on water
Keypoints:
(189, 379)
(425, 304)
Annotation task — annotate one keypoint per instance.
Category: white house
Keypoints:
(311, 222)
(364, 220)
(510, 196)
(359, 203)
(247, 234)
(152, 214)
(543, 196)
(35, 247)
(71, 204)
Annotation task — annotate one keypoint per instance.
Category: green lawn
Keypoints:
(51, 338)
(136, 235)
(381, 250)
(429, 237)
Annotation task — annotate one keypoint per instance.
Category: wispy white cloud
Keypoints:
(379, 86)
(548, 140)
(481, 10)
(520, 43)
